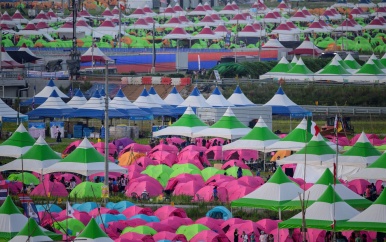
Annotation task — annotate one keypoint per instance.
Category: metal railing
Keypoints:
(353, 110)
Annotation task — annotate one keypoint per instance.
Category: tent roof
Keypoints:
(351, 62)
(370, 68)
(93, 231)
(173, 98)
(300, 68)
(53, 107)
(16, 145)
(45, 93)
(94, 53)
(216, 99)
(31, 232)
(306, 48)
(238, 98)
(195, 100)
(282, 67)
(123, 105)
(77, 100)
(273, 43)
(334, 68)
(7, 113)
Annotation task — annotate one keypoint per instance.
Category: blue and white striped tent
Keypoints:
(53, 107)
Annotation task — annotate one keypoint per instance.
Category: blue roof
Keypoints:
(102, 92)
(152, 91)
(293, 111)
(49, 113)
(216, 91)
(195, 92)
(174, 90)
(54, 94)
(238, 90)
(136, 114)
(51, 83)
(96, 94)
(99, 114)
(120, 93)
(144, 93)
(280, 91)
(79, 93)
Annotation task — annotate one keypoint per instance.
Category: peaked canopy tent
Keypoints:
(375, 171)
(174, 98)
(228, 127)
(306, 48)
(53, 107)
(84, 160)
(216, 99)
(333, 71)
(93, 233)
(38, 157)
(42, 96)
(123, 105)
(195, 100)
(18, 144)
(282, 105)
(7, 114)
(31, 232)
(186, 125)
(154, 95)
(282, 67)
(77, 100)
(95, 54)
(146, 102)
(238, 98)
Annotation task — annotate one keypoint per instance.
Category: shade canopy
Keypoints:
(16, 145)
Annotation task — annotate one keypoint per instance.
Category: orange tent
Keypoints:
(281, 154)
(129, 158)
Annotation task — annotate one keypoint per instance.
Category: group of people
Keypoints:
(252, 238)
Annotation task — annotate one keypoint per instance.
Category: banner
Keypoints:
(37, 129)
(55, 127)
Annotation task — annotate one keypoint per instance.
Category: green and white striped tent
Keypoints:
(228, 127)
(16, 145)
(12, 220)
(351, 62)
(370, 68)
(186, 125)
(281, 68)
(341, 62)
(257, 139)
(300, 69)
(361, 154)
(37, 158)
(373, 218)
(314, 153)
(320, 186)
(375, 171)
(383, 60)
(31, 232)
(93, 233)
(329, 212)
(273, 195)
(294, 61)
(84, 160)
(333, 71)
(377, 62)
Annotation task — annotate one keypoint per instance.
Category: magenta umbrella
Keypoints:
(181, 178)
(165, 235)
(135, 210)
(136, 148)
(228, 223)
(213, 224)
(209, 236)
(146, 161)
(239, 192)
(168, 211)
(164, 157)
(157, 226)
(268, 224)
(231, 163)
(102, 210)
(175, 222)
(132, 236)
(50, 189)
(206, 193)
(189, 188)
(163, 147)
(214, 180)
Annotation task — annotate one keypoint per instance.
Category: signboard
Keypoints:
(105, 191)
(228, 39)
(37, 129)
(218, 78)
(55, 127)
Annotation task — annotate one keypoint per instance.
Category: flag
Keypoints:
(336, 123)
(70, 210)
(33, 99)
(122, 6)
(312, 127)
(32, 213)
(199, 62)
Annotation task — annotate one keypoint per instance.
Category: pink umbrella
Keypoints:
(136, 148)
(163, 147)
(114, 175)
(146, 161)
(214, 179)
(209, 236)
(253, 181)
(268, 225)
(164, 157)
(189, 188)
(50, 189)
(15, 187)
(181, 178)
(165, 235)
(168, 211)
(135, 210)
(284, 235)
(206, 193)
(175, 140)
(154, 189)
(132, 236)
(213, 224)
(231, 163)
(102, 210)
(359, 184)
(175, 222)
(160, 227)
(100, 147)
(228, 223)
(239, 192)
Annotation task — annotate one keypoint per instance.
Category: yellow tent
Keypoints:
(281, 154)
(129, 158)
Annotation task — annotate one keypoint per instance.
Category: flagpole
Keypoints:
(107, 128)
(153, 56)
(304, 228)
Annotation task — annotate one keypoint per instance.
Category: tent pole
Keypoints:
(265, 155)
(106, 129)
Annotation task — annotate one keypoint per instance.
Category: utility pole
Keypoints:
(74, 63)
(106, 181)
(120, 24)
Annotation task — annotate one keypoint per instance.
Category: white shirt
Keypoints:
(263, 238)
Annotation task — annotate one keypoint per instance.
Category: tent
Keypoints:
(93, 233)
(7, 114)
(44, 94)
(216, 99)
(52, 107)
(282, 105)
(177, 33)
(333, 71)
(320, 186)
(306, 48)
(195, 100)
(228, 10)
(157, 99)
(368, 72)
(38, 157)
(18, 144)
(206, 32)
(238, 98)
(84, 160)
(31, 232)
(273, 43)
(12, 220)
(375, 171)
(377, 62)
(173, 98)
(94, 54)
(228, 127)
(299, 71)
(7, 62)
(335, 212)
(148, 104)
(186, 125)
(95, 108)
(281, 67)
(77, 100)
(17, 17)
(272, 195)
(123, 105)
(351, 62)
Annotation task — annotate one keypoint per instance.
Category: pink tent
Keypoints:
(211, 141)
(316, 235)
(72, 146)
(359, 184)
(175, 222)
(194, 161)
(68, 177)
(167, 211)
(164, 147)
(136, 148)
(146, 161)
(175, 140)
(133, 173)
(268, 224)
(214, 153)
(144, 177)
(189, 188)
(164, 235)
(50, 189)
(136, 168)
(206, 193)
(81, 216)
(182, 178)
(157, 226)
(209, 236)
(47, 218)
(239, 192)
(188, 155)
(217, 179)
(231, 163)
(252, 181)
(132, 236)
(135, 210)
(154, 189)
(238, 183)
(102, 210)
(241, 154)
(284, 235)
(306, 186)
(15, 187)
(100, 147)
(248, 226)
(228, 223)
(298, 181)
(113, 227)
(342, 141)
(164, 157)
(213, 224)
